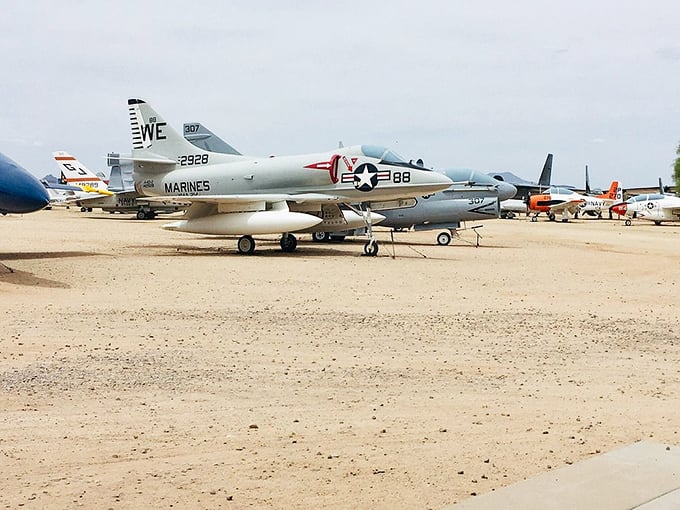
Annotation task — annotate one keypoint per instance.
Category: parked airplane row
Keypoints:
(326, 194)
(472, 196)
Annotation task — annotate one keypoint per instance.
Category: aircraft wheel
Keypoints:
(141, 215)
(337, 239)
(150, 215)
(288, 243)
(551, 216)
(565, 220)
(534, 219)
(83, 209)
(246, 245)
(657, 223)
(443, 238)
(89, 209)
(628, 223)
(321, 237)
(371, 249)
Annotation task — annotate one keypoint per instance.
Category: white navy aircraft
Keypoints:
(232, 194)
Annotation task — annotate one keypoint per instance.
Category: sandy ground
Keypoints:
(146, 368)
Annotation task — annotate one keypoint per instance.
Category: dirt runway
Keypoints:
(147, 368)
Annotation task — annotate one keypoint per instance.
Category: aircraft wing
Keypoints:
(570, 206)
(251, 198)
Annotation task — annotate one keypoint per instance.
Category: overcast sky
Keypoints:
(491, 86)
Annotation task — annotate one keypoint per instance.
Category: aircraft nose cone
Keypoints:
(620, 209)
(506, 190)
(20, 191)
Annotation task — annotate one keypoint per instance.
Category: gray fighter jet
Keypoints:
(472, 196)
(232, 194)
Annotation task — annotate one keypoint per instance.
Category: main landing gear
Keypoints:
(443, 239)
(246, 244)
(145, 215)
(288, 243)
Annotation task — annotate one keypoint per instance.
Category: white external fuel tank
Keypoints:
(246, 223)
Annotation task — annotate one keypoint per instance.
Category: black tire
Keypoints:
(371, 249)
(83, 209)
(551, 217)
(657, 223)
(288, 243)
(141, 215)
(245, 245)
(337, 239)
(628, 223)
(321, 237)
(443, 239)
(534, 219)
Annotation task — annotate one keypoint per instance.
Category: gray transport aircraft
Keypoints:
(473, 196)
(232, 194)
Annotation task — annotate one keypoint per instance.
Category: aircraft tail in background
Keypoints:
(205, 139)
(615, 192)
(546, 173)
(74, 173)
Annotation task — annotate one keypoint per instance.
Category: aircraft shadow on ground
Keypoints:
(271, 248)
(264, 249)
(11, 275)
(45, 255)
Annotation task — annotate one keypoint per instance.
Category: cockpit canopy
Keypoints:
(645, 198)
(462, 175)
(556, 190)
(389, 157)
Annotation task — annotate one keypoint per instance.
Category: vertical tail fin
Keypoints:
(75, 173)
(159, 147)
(151, 133)
(587, 190)
(546, 174)
(614, 191)
(202, 137)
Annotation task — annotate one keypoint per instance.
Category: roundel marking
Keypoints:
(366, 177)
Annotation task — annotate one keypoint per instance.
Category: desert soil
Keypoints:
(145, 368)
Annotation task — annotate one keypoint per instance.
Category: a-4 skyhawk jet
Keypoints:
(233, 194)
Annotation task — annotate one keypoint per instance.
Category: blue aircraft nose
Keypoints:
(506, 190)
(20, 191)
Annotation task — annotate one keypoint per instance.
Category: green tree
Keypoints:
(676, 168)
